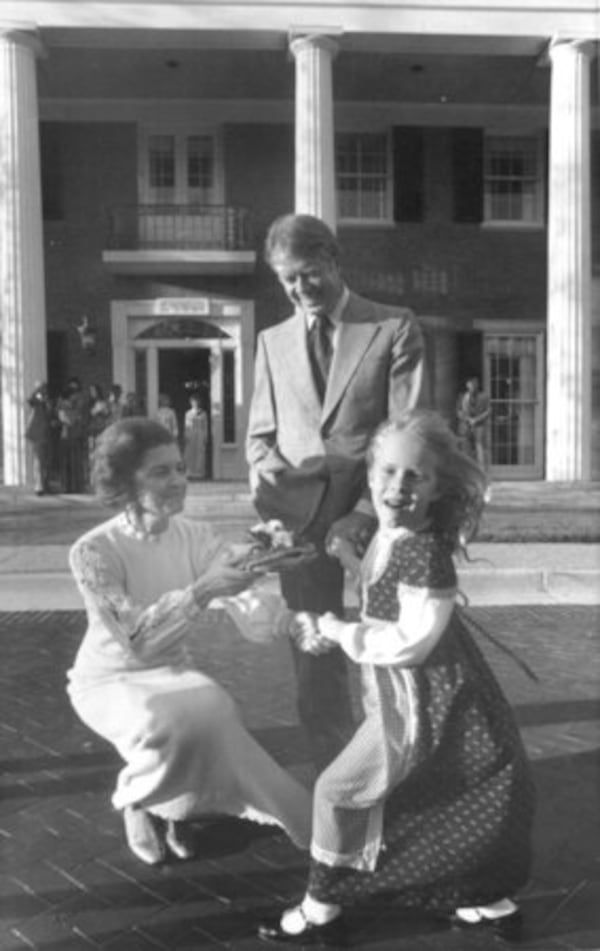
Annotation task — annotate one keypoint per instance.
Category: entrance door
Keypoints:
(181, 372)
(514, 380)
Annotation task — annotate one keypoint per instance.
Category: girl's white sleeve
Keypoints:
(424, 616)
(148, 632)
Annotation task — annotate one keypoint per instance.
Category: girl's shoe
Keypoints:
(331, 935)
(144, 835)
(509, 927)
(179, 839)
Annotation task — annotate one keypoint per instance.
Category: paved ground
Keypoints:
(68, 882)
(518, 512)
(537, 542)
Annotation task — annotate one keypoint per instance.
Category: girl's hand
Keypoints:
(331, 628)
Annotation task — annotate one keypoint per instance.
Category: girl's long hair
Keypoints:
(462, 483)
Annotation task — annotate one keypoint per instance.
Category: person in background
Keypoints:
(166, 416)
(98, 414)
(131, 405)
(472, 414)
(195, 438)
(148, 577)
(115, 402)
(324, 379)
(97, 417)
(39, 434)
(71, 412)
(432, 799)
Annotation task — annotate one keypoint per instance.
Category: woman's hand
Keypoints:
(222, 580)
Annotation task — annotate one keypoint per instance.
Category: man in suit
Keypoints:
(324, 380)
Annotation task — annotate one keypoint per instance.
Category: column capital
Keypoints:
(23, 34)
(301, 40)
(583, 45)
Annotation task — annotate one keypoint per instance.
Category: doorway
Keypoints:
(181, 372)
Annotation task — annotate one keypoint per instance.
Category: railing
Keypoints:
(179, 227)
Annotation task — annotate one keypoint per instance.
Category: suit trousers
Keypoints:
(324, 704)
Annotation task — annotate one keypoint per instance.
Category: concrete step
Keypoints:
(39, 579)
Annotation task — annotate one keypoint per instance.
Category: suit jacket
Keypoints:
(307, 458)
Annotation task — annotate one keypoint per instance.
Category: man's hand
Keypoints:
(356, 528)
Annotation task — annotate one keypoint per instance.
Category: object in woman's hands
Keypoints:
(274, 548)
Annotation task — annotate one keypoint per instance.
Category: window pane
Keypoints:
(362, 175)
(200, 162)
(511, 179)
(161, 158)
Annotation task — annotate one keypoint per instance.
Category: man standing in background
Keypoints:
(324, 380)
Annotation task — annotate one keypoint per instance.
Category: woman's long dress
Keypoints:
(432, 798)
(196, 438)
(133, 682)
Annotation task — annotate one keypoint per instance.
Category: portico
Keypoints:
(558, 40)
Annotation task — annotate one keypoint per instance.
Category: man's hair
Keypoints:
(119, 453)
(301, 236)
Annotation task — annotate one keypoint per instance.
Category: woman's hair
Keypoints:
(300, 236)
(462, 483)
(119, 452)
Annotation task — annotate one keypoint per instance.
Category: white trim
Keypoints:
(502, 18)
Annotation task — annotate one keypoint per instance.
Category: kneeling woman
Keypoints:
(147, 577)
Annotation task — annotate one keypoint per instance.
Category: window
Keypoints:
(363, 179)
(513, 180)
(179, 168)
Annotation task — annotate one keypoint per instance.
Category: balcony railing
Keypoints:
(179, 227)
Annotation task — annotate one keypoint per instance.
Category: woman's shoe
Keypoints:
(179, 839)
(331, 935)
(144, 835)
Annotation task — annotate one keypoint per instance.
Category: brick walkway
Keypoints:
(67, 880)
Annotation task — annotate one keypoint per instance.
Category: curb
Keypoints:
(55, 590)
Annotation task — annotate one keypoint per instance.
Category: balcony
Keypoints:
(179, 239)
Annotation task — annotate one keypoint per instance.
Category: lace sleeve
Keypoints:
(145, 631)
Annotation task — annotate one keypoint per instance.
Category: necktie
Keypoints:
(320, 350)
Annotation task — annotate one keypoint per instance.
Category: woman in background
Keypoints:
(196, 438)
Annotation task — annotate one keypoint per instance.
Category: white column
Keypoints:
(22, 294)
(315, 168)
(568, 405)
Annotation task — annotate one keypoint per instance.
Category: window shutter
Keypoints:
(467, 174)
(51, 172)
(409, 198)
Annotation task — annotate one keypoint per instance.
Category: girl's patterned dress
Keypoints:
(432, 798)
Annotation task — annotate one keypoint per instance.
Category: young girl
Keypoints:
(431, 799)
